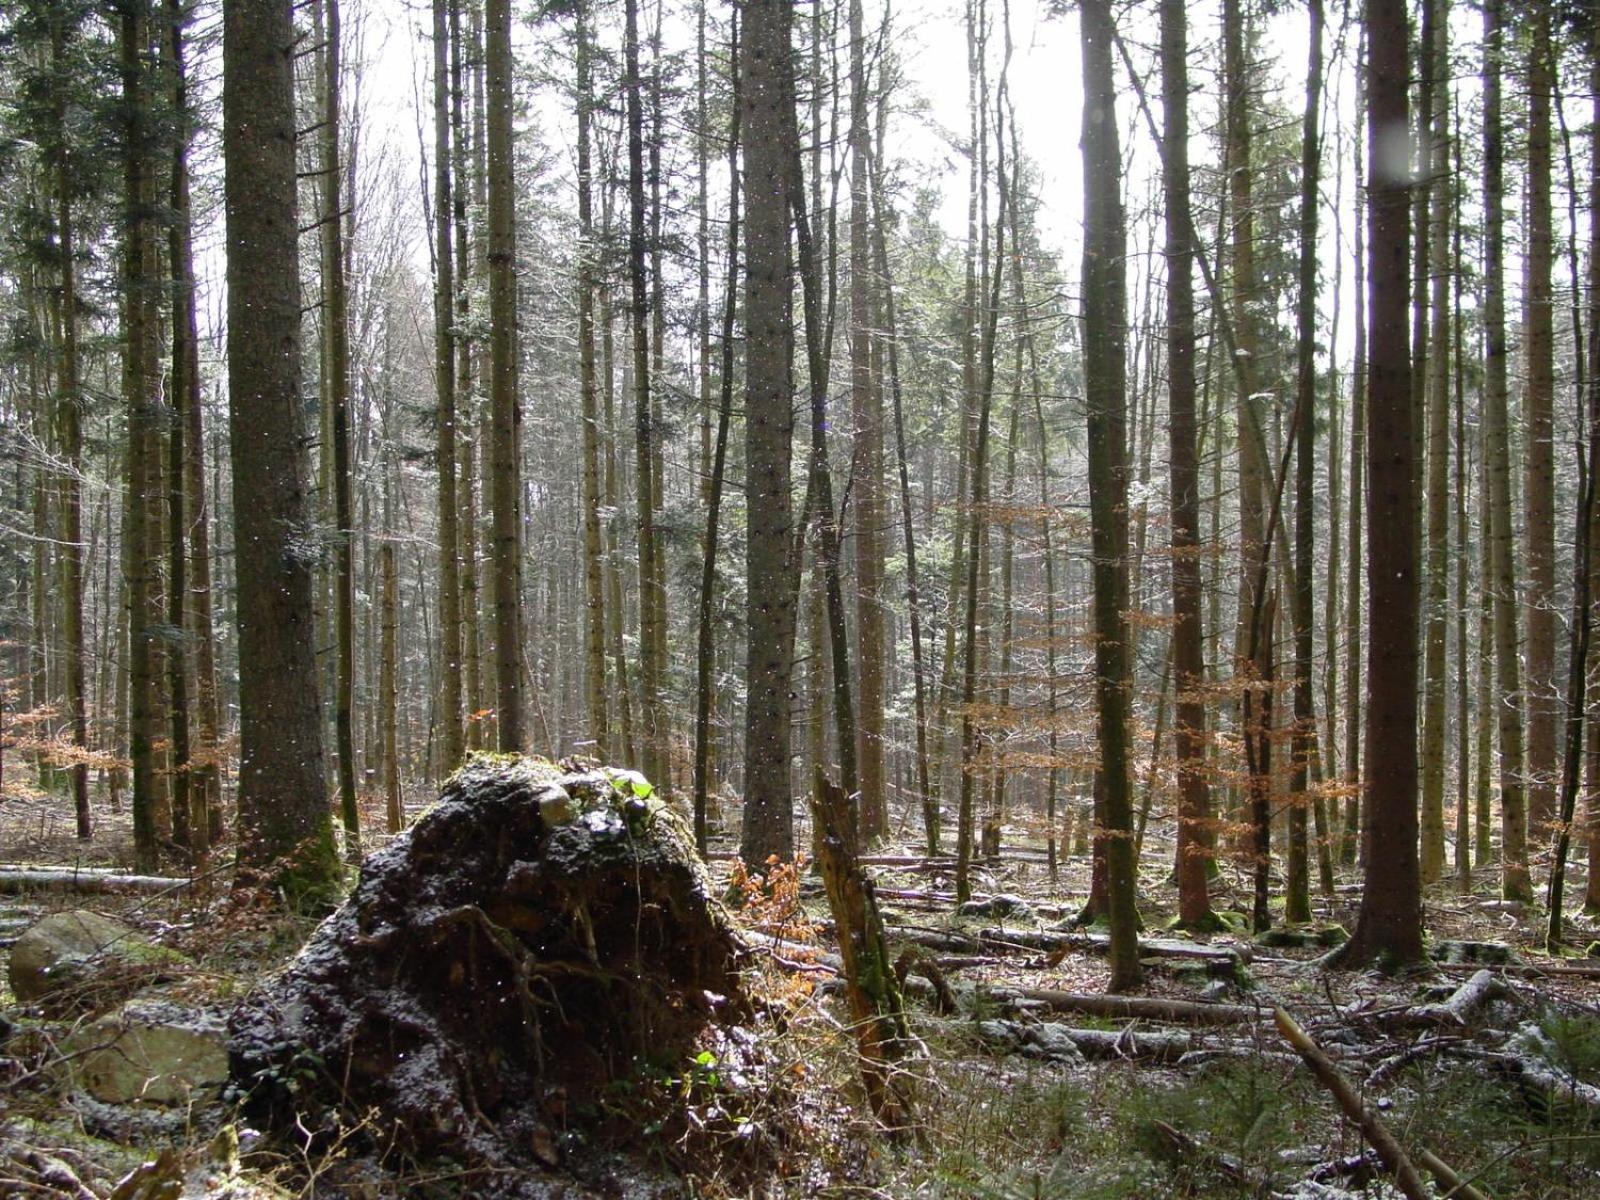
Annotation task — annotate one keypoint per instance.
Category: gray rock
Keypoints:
(148, 1050)
(69, 949)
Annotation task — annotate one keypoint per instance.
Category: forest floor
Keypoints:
(1024, 1090)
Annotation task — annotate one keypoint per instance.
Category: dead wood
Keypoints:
(1367, 1120)
(871, 983)
(1003, 939)
(1052, 1040)
(1150, 1008)
(85, 881)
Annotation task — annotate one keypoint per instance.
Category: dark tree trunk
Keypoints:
(1104, 312)
(284, 822)
(505, 409)
(1389, 926)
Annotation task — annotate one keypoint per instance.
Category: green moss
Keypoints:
(313, 879)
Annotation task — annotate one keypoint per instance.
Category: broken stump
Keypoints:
(535, 936)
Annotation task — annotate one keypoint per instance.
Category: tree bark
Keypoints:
(769, 434)
(1188, 630)
(1538, 313)
(452, 737)
(1515, 882)
(1297, 885)
(504, 406)
(1104, 310)
(284, 822)
(1389, 924)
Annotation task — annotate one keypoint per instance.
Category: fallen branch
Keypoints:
(1371, 1125)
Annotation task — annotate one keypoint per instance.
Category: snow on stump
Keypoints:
(535, 936)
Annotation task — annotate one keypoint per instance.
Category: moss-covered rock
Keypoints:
(81, 954)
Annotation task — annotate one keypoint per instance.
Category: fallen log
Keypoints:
(1052, 1041)
(86, 881)
(1472, 995)
(1149, 1008)
(1003, 939)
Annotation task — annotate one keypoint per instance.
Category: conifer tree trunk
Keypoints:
(504, 407)
(1188, 632)
(594, 627)
(1515, 883)
(1350, 840)
(1104, 311)
(1389, 924)
(1297, 908)
(204, 766)
(336, 325)
(866, 470)
(1538, 312)
(452, 739)
(284, 823)
(769, 431)
(388, 671)
(141, 378)
(1437, 368)
(69, 423)
(651, 595)
(705, 656)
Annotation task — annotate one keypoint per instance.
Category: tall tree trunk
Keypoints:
(925, 781)
(1435, 155)
(1297, 906)
(1515, 883)
(1591, 898)
(69, 426)
(1104, 312)
(1389, 924)
(769, 434)
(204, 765)
(976, 566)
(1351, 837)
(866, 468)
(1188, 630)
(651, 595)
(284, 824)
(705, 655)
(452, 737)
(141, 378)
(1538, 310)
(504, 407)
(594, 627)
(388, 672)
(336, 325)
